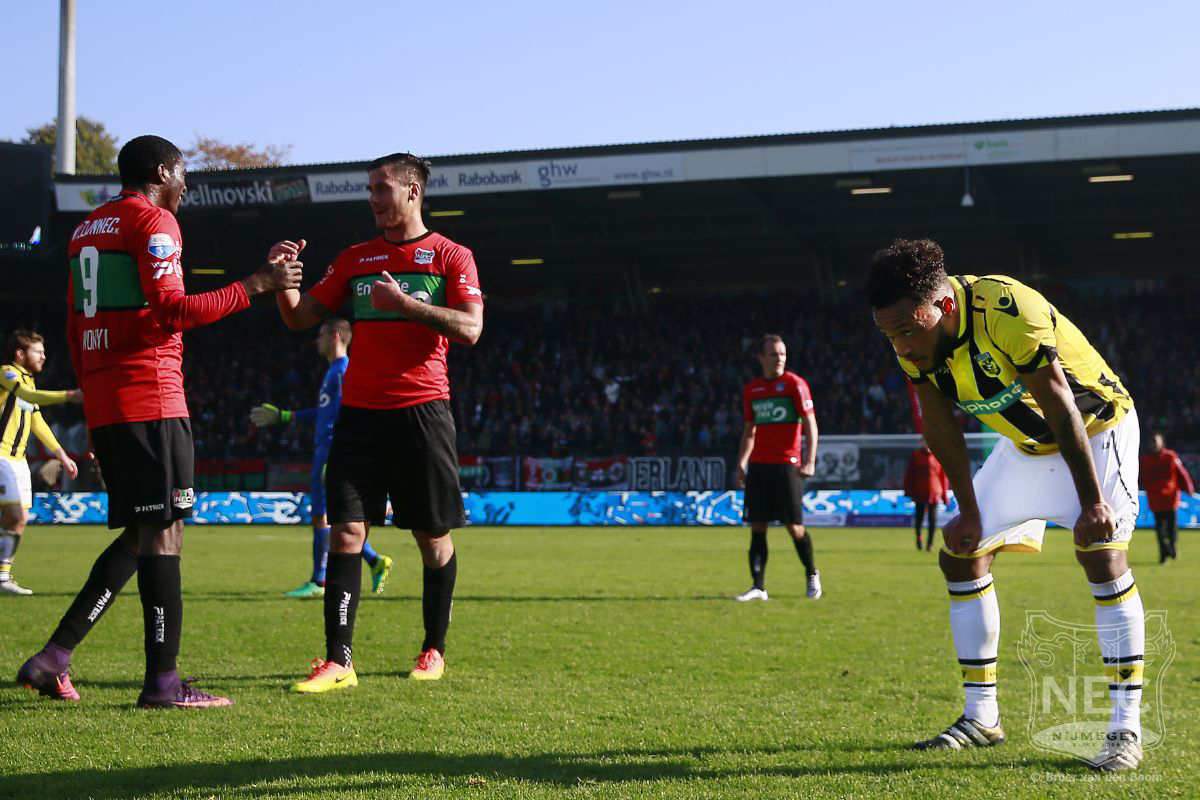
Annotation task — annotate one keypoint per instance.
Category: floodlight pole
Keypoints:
(65, 135)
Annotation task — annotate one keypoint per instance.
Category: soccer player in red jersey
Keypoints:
(1163, 475)
(413, 291)
(127, 310)
(926, 483)
(778, 408)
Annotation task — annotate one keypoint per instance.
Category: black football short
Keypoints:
(774, 493)
(147, 469)
(407, 454)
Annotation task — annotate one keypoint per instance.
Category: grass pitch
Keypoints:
(589, 663)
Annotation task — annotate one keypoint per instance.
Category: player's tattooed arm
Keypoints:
(462, 324)
(1053, 394)
(300, 312)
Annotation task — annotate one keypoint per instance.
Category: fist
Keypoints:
(285, 251)
(280, 275)
(386, 294)
(1096, 523)
(70, 466)
(962, 534)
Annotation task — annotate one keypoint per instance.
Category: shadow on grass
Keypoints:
(273, 596)
(550, 769)
(559, 598)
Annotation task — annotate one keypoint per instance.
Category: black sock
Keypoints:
(343, 585)
(437, 601)
(110, 573)
(758, 558)
(804, 549)
(162, 611)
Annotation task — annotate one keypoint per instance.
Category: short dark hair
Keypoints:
(417, 168)
(769, 338)
(20, 340)
(139, 159)
(913, 268)
(339, 326)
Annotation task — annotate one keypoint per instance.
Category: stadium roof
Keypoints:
(1094, 195)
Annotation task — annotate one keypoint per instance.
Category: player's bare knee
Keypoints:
(1102, 566)
(436, 547)
(11, 516)
(160, 539)
(347, 537)
(798, 532)
(964, 569)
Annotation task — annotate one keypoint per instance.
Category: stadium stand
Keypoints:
(604, 381)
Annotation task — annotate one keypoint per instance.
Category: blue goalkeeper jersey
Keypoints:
(328, 403)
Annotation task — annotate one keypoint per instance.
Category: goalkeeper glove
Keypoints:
(50, 470)
(267, 414)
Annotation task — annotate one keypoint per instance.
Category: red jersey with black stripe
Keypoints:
(396, 363)
(775, 407)
(1164, 477)
(127, 309)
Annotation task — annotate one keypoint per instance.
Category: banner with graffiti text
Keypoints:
(833, 508)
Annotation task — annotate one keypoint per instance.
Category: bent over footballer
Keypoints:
(126, 313)
(413, 292)
(1068, 454)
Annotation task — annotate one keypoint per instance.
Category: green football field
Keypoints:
(589, 663)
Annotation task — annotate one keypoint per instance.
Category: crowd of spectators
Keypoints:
(591, 381)
(601, 380)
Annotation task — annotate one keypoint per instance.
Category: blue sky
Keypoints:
(352, 80)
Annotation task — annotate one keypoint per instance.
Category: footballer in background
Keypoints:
(777, 452)
(20, 415)
(1165, 477)
(333, 340)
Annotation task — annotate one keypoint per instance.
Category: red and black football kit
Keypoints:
(395, 434)
(1164, 477)
(927, 484)
(127, 309)
(774, 485)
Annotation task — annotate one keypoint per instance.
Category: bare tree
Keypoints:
(209, 153)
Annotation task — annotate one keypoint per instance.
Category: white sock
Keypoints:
(975, 623)
(1121, 629)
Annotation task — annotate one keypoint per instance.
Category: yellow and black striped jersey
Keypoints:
(20, 401)
(1009, 330)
